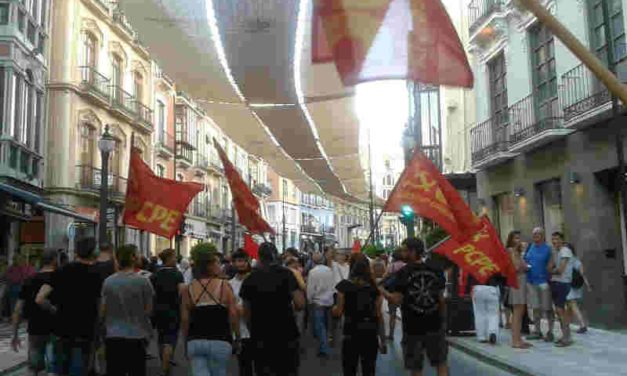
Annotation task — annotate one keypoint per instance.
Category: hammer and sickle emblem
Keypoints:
(480, 235)
(425, 183)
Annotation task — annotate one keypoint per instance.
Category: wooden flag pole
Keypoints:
(577, 48)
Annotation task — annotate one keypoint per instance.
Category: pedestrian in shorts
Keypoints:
(538, 257)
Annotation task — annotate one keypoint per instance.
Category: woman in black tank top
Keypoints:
(209, 317)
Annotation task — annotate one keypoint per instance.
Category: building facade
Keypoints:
(24, 49)
(282, 204)
(317, 222)
(352, 223)
(391, 230)
(544, 146)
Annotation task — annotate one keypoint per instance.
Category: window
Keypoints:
(160, 171)
(90, 50)
(497, 74)
(597, 29)
(543, 74)
(161, 120)
(138, 81)
(39, 126)
(32, 33)
(117, 77)
(17, 103)
(2, 99)
(550, 193)
(29, 110)
(21, 21)
(87, 145)
(115, 161)
(4, 14)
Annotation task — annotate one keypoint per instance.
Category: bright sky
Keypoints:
(382, 108)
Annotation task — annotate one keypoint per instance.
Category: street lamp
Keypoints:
(106, 144)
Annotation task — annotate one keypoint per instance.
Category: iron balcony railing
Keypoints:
(123, 99)
(199, 207)
(480, 10)
(489, 137)
(95, 81)
(201, 161)
(581, 92)
(166, 141)
(90, 178)
(529, 117)
(144, 113)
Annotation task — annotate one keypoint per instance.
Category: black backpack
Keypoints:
(578, 280)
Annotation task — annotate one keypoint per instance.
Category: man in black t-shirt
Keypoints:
(40, 321)
(167, 282)
(76, 290)
(104, 266)
(270, 295)
(419, 289)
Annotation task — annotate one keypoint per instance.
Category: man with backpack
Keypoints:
(419, 290)
(561, 269)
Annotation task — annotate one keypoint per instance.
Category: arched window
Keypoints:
(90, 51)
(87, 145)
(117, 77)
(138, 87)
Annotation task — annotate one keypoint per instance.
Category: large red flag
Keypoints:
(390, 39)
(481, 256)
(245, 202)
(356, 246)
(250, 247)
(432, 196)
(155, 204)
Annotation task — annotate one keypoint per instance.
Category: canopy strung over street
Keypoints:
(252, 72)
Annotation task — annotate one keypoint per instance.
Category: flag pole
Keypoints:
(436, 245)
(577, 48)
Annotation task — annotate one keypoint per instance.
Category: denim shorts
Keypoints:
(559, 292)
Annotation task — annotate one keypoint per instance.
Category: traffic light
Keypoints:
(407, 218)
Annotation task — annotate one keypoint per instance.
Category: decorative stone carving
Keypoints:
(492, 36)
(90, 26)
(522, 18)
(118, 133)
(115, 48)
(88, 116)
(138, 66)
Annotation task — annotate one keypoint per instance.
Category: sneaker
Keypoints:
(549, 337)
(493, 338)
(534, 337)
(582, 330)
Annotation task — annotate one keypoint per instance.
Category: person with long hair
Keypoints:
(359, 301)
(209, 315)
(576, 294)
(518, 297)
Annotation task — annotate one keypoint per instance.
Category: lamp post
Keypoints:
(106, 144)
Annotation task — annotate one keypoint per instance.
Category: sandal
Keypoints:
(523, 346)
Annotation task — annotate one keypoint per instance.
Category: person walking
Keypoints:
(518, 297)
(186, 269)
(561, 278)
(209, 315)
(270, 295)
(359, 301)
(341, 270)
(40, 321)
(486, 308)
(105, 266)
(396, 265)
(538, 257)
(576, 293)
(320, 289)
(77, 290)
(15, 276)
(127, 301)
(241, 264)
(419, 290)
(168, 283)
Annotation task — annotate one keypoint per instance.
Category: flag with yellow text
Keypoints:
(155, 204)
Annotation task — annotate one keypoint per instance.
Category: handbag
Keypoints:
(577, 281)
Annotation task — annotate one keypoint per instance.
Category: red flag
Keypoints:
(250, 247)
(391, 39)
(155, 204)
(356, 246)
(431, 195)
(245, 202)
(481, 256)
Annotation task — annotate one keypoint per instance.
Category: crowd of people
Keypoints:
(551, 280)
(98, 313)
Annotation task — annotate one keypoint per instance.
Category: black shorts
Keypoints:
(168, 332)
(414, 347)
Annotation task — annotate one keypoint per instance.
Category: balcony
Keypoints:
(95, 83)
(490, 142)
(184, 153)
(487, 20)
(201, 163)
(199, 208)
(144, 114)
(262, 190)
(89, 178)
(123, 101)
(165, 144)
(310, 229)
(216, 213)
(584, 98)
(20, 162)
(534, 124)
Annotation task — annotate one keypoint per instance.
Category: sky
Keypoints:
(382, 108)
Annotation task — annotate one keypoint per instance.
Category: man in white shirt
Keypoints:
(241, 262)
(320, 290)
